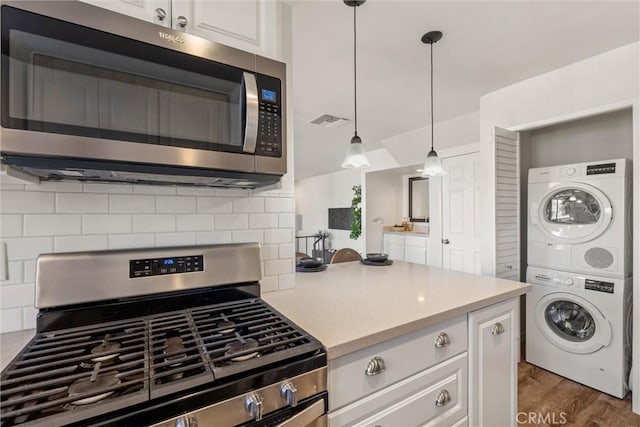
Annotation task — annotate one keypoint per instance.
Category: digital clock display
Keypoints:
(168, 261)
(269, 95)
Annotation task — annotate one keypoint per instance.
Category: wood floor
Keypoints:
(542, 392)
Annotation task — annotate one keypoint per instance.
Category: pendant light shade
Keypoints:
(356, 156)
(433, 163)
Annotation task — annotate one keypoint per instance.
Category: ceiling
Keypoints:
(486, 46)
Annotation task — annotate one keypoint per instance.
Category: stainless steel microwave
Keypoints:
(92, 95)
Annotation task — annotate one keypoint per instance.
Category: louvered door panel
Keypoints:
(507, 248)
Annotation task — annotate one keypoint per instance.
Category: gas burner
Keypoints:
(95, 383)
(240, 347)
(174, 350)
(227, 327)
(106, 347)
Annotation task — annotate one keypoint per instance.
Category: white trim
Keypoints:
(635, 381)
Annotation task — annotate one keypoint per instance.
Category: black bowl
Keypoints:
(309, 263)
(377, 257)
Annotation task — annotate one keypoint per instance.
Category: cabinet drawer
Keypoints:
(394, 239)
(403, 356)
(412, 402)
(420, 242)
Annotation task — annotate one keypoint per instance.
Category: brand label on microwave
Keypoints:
(171, 37)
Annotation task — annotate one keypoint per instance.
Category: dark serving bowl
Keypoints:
(377, 257)
(309, 263)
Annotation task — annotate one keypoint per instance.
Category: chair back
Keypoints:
(345, 255)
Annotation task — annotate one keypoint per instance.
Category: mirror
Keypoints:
(418, 199)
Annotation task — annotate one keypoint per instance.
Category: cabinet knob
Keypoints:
(445, 241)
(182, 21)
(442, 340)
(253, 405)
(375, 366)
(443, 398)
(497, 328)
(161, 14)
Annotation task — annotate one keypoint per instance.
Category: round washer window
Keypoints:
(570, 321)
(572, 206)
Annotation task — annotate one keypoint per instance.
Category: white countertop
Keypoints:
(11, 343)
(408, 233)
(351, 306)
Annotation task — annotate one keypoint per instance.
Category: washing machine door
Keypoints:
(574, 213)
(572, 323)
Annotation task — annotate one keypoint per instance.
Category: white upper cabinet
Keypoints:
(156, 11)
(250, 25)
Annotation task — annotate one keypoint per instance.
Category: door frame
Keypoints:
(435, 249)
(634, 105)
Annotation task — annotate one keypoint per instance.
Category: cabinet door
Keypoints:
(493, 365)
(415, 254)
(251, 25)
(156, 11)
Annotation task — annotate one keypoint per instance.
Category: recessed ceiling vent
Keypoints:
(329, 121)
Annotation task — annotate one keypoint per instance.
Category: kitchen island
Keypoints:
(409, 344)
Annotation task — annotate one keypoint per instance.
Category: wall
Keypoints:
(315, 195)
(384, 199)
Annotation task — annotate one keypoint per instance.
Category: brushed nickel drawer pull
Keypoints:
(443, 398)
(442, 340)
(375, 366)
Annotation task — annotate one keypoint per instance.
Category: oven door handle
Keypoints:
(306, 417)
(252, 108)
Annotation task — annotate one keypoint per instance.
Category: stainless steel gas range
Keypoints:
(162, 337)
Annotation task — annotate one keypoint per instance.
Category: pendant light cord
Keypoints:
(355, 80)
(431, 45)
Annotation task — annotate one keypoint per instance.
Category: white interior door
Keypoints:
(460, 210)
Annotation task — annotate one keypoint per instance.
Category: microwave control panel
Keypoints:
(269, 141)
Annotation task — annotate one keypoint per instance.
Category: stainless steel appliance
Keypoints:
(166, 337)
(89, 94)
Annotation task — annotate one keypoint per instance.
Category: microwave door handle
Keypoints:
(252, 106)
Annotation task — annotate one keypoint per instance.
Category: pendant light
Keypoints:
(433, 164)
(355, 157)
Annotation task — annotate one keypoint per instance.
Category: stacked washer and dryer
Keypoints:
(579, 258)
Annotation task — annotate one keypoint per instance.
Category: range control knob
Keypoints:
(289, 393)
(253, 406)
(568, 281)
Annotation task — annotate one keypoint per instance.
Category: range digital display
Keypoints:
(162, 266)
(269, 95)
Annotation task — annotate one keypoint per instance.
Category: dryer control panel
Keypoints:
(597, 285)
(601, 169)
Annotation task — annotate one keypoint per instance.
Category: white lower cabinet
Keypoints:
(493, 378)
(406, 248)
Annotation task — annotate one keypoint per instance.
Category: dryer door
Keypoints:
(572, 323)
(575, 213)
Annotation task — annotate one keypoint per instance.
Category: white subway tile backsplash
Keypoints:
(270, 252)
(80, 243)
(269, 284)
(154, 189)
(58, 187)
(287, 250)
(10, 320)
(231, 192)
(286, 281)
(215, 204)
(22, 248)
(17, 295)
(108, 188)
(277, 267)
(213, 237)
(175, 204)
(81, 203)
(22, 202)
(16, 273)
(148, 223)
(106, 224)
(131, 204)
(248, 205)
(196, 191)
(262, 220)
(247, 236)
(176, 239)
(273, 204)
(50, 225)
(29, 314)
(10, 225)
(231, 221)
(29, 271)
(278, 235)
(286, 220)
(14, 187)
(194, 222)
(125, 241)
